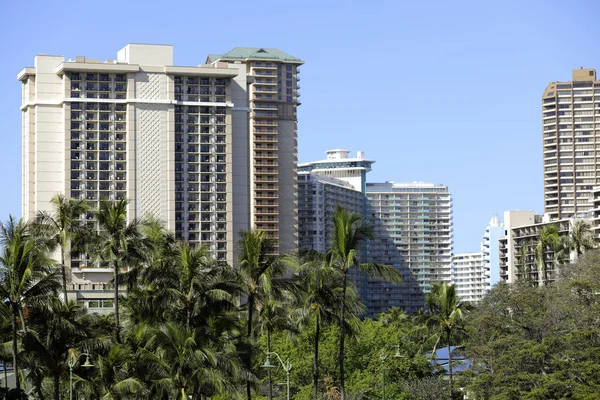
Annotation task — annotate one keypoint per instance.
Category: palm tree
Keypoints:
(581, 238)
(55, 328)
(446, 316)
(184, 365)
(61, 226)
(548, 239)
(349, 234)
(321, 285)
(523, 271)
(259, 267)
(119, 242)
(29, 276)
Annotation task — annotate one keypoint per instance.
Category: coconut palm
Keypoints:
(318, 304)
(259, 268)
(118, 243)
(55, 328)
(523, 270)
(349, 235)
(581, 238)
(30, 276)
(184, 366)
(548, 240)
(61, 226)
(446, 316)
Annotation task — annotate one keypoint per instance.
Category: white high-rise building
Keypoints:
(413, 231)
(210, 150)
(489, 246)
(570, 115)
(469, 276)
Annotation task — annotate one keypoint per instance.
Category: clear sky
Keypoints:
(438, 91)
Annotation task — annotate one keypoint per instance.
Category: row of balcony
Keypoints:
(180, 80)
(93, 176)
(75, 76)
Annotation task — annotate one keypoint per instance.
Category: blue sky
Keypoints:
(439, 91)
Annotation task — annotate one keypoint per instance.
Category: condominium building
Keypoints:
(571, 124)
(413, 231)
(318, 196)
(517, 248)
(489, 246)
(209, 150)
(469, 275)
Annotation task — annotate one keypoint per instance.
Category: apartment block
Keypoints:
(469, 276)
(571, 127)
(318, 196)
(489, 246)
(412, 224)
(517, 248)
(210, 150)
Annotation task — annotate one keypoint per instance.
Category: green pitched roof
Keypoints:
(243, 53)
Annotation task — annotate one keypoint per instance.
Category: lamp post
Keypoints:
(384, 355)
(287, 367)
(71, 361)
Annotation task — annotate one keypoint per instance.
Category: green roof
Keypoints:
(244, 53)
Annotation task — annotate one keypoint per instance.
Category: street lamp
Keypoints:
(287, 367)
(71, 361)
(384, 355)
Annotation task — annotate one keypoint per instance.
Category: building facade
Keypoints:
(412, 225)
(318, 196)
(470, 276)
(517, 258)
(489, 246)
(570, 120)
(209, 150)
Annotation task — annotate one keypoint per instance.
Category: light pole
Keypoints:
(287, 367)
(384, 355)
(71, 361)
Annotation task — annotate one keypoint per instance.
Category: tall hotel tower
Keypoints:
(571, 132)
(210, 150)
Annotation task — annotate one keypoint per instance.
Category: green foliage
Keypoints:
(539, 342)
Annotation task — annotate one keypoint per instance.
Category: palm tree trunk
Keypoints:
(57, 386)
(14, 346)
(63, 271)
(449, 361)
(116, 301)
(5, 374)
(268, 352)
(188, 314)
(249, 333)
(343, 336)
(316, 360)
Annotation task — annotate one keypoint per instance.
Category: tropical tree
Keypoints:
(523, 259)
(548, 240)
(581, 238)
(30, 276)
(349, 234)
(118, 243)
(259, 268)
(321, 285)
(55, 329)
(61, 226)
(446, 314)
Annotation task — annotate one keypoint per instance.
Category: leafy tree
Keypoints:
(55, 328)
(259, 267)
(548, 239)
(61, 226)
(538, 342)
(119, 242)
(446, 316)
(581, 238)
(349, 234)
(29, 276)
